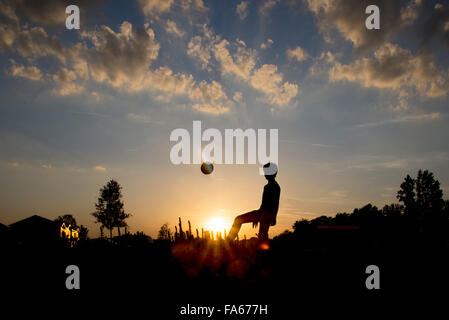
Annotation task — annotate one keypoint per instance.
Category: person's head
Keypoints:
(270, 170)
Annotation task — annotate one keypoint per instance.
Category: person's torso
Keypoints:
(270, 198)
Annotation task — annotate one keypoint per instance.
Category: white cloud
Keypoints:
(100, 168)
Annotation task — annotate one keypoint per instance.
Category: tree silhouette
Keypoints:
(109, 207)
(83, 232)
(422, 197)
(164, 232)
(67, 219)
(407, 195)
(393, 210)
(429, 195)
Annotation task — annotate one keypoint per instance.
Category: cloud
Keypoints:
(379, 162)
(242, 10)
(164, 80)
(208, 91)
(267, 80)
(321, 64)
(123, 59)
(100, 168)
(197, 49)
(382, 164)
(206, 97)
(238, 96)
(65, 79)
(297, 54)
(150, 7)
(348, 17)
(172, 28)
(211, 96)
(120, 58)
(267, 6)
(29, 12)
(235, 59)
(36, 42)
(200, 47)
(403, 119)
(156, 7)
(392, 67)
(211, 109)
(197, 5)
(80, 67)
(240, 64)
(266, 44)
(30, 72)
(140, 118)
(9, 26)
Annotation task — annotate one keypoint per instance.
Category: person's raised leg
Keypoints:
(263, 230)
(252, 216)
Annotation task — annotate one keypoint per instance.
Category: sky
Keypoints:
(356, 109)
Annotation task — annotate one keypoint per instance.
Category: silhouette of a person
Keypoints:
(266, 214)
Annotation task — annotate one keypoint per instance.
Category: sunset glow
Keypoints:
(218, 224)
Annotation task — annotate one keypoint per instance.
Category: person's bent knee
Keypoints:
(238, 219)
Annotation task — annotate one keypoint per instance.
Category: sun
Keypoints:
(217, 224)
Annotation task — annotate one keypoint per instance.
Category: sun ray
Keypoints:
(217, 224)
